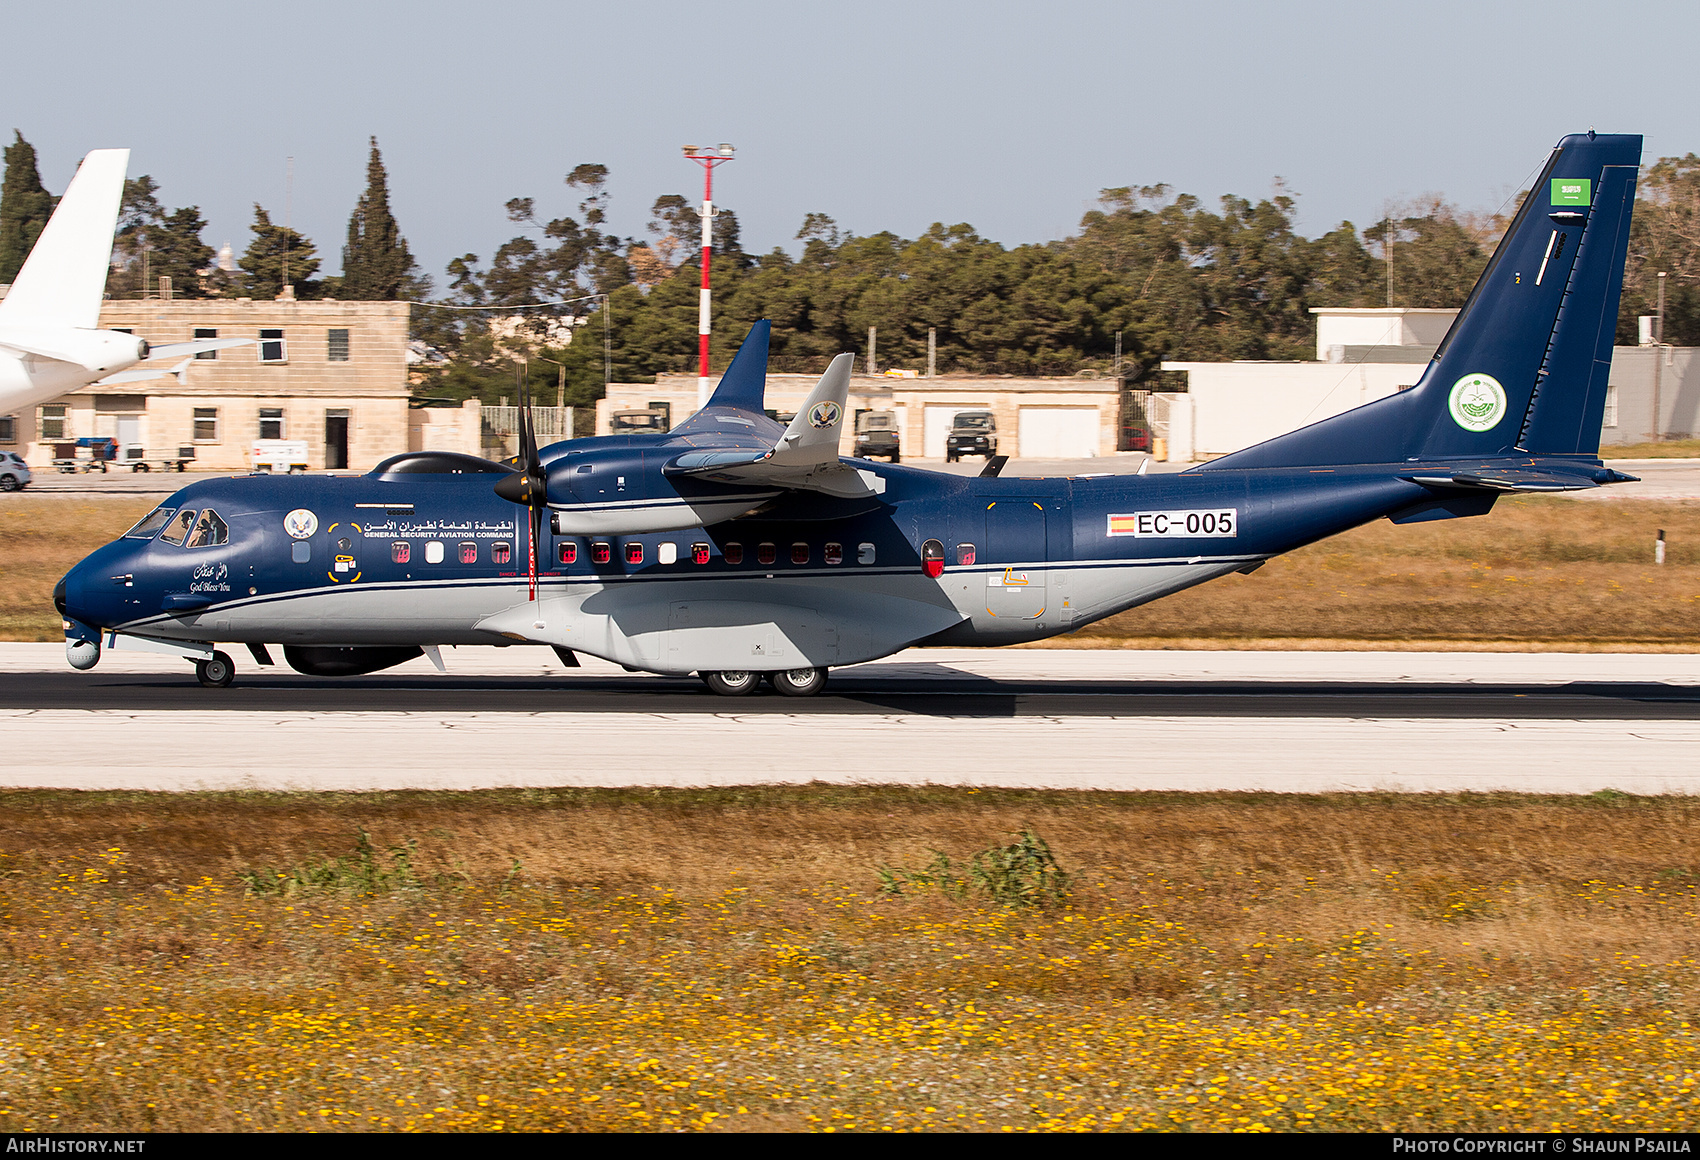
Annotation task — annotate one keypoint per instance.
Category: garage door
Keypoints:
(935, 427)
(1058, 432)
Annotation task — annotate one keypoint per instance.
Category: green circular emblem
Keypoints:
(1477, 402)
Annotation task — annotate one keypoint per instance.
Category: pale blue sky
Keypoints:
(885, 115)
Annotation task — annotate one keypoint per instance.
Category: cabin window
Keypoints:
(634, 553)
(400, 552)
(566, 552)
(864, 553)
(336, 345)
(835, 553)
(150, 524)
(344, 544)
(206, 332)
(766, 553)
(667, 553)
(600, 553)
(732, 553)
(300, 551)
(210, 531)
(965, 553)
(271, 422)
(501, 552)
(272, 349)
(468, 552)
(433, 551)
(699, 553)
(206, 424)
(932, 559)
(799, 553)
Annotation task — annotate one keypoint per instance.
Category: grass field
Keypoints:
(1544, 570)
(1665, 449)
(725, 959)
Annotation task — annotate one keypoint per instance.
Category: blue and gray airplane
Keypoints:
(739, 549)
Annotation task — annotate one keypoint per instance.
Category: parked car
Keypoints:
(876, 436)
(648, 420)
(971, 433)
(14, 472)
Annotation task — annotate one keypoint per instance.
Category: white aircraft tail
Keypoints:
(64, 278)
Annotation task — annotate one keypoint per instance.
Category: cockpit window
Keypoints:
(179, 527)
(210, 531)
(150, 525)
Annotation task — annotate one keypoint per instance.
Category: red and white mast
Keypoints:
(708, 159)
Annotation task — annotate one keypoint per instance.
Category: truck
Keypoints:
(876, 436)
(971, 433)
(647, 420)
(274, 455)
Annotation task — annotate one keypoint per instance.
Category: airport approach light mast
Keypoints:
(708, 158)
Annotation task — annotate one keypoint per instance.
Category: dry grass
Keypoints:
(667, 959)
(1537, 570)
(41, 537)
(1665, 449)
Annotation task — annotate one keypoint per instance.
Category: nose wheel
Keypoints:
(216, 673)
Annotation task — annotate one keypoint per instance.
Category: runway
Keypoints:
(1089, 719)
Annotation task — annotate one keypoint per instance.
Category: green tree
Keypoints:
(273, 249)
(24, 207)
(376, 264)
(150, 244)
(1665, 237)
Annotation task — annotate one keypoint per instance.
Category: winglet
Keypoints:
(744, 385)
(812, 437)
(63, 278)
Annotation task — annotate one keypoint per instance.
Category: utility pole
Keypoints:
(287, 292)
(708, 159)
(1118, 360)
(932, 351)
(1658, 358)
(873, 338)
(1387, 241)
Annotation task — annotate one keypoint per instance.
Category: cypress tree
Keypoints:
(376, 265)
(24, 208)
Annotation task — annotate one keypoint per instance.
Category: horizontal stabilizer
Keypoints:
(144, 372)
(166, 351)
(1519, 479)
(22, 349)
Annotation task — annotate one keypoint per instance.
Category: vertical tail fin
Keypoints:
(64, 277)
(1523, 369)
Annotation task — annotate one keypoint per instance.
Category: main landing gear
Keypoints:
(217, 671)
(786, 682)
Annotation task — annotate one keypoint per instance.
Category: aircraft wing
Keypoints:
(144, 372)
(804, 458)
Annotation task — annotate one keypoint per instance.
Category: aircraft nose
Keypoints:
(59, 596)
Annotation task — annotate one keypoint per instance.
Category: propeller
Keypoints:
(527, 486)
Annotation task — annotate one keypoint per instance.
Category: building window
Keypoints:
(53, 421)
(206, 424)
(336, 343)
(272, 349)
(1610, 417)
(8, 429)
(271, 422)
(206, 332)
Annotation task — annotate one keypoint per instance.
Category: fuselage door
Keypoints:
(1016, 539)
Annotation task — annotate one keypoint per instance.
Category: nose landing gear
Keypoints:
(217, 671)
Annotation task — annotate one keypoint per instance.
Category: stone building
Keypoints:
(328, 373)
(1036, 418)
